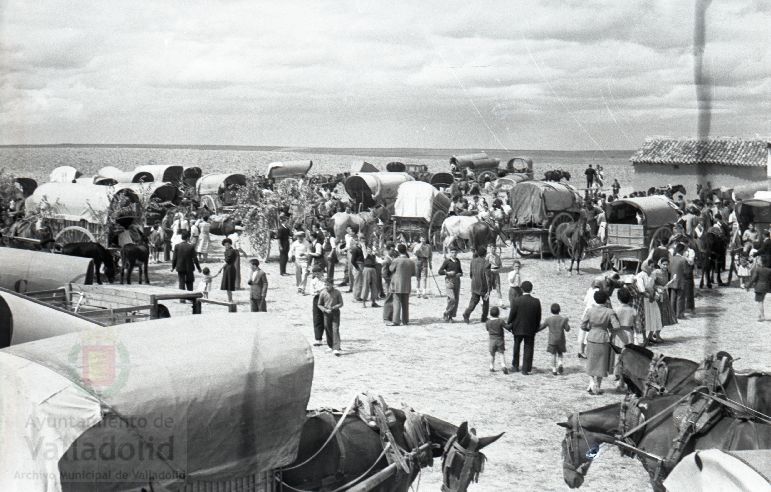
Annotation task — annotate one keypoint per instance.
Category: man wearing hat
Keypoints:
(259, 287)
(452, 271)
(298, 252)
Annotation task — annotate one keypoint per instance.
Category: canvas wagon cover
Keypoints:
(532, 200)
(209, 184)
(160, 172)
(419, 199)
(64, 174)
(179, 397)
(715, 469)
(289, 169)
(479, 161)
(658, 210)
(126, 176)
(368, 187)
(74, 201)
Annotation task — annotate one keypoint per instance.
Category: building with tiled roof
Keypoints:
(723, 161)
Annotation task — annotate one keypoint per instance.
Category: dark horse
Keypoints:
(135, 254)
(96, 252)
(714, 243)
(572, 238)
(672, 375)
(586, 431)
(357, 452)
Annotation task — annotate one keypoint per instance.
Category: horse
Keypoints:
(572, 239)
(96, 252)
(26, 234)
(586, 431)
(714, 243)
(673, 375)
(365, 222)
(357, 451)
(135, 254)
(469, 228)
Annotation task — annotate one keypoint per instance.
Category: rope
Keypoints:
(329, 439)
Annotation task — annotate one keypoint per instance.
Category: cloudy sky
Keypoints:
(487, 74)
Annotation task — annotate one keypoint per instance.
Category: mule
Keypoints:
(633, 366)
(587, 431)
(26, 234)
(96, 252)
(365, 222)
(471, 229)
(572, 238)
(713, 248)
(135, 254)
(357, 451)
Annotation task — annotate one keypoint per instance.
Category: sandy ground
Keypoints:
(442, 369)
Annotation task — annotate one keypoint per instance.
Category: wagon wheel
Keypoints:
(561, 218)
(73, 234)
(481, 178)
(661, 236)
(261, 238)
(435, 230)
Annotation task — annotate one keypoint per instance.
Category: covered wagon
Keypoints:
(520, 165)
(484, 168)
(122, 407)
(118, 176)
(162, 172)
(289, 169)
(368, 189)
(157, 198)
(64, 174)
(419, 210)
(637, 224)
(26, 186)
(217, 192)
(537, 209)
(84, 212)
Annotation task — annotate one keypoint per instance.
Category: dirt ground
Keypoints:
(442, 369)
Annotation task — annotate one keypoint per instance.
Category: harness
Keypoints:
(473, 463)
(658, 373)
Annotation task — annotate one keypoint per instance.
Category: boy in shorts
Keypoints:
(495, 327)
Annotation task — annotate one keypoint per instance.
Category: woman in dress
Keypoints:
(229, 269)
(661, 286)
(598, 321)
(651, 315)
(180, 224)
(204, 239)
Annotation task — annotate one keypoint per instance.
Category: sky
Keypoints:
(563, 75)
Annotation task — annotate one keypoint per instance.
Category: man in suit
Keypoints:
(183, 261)
(283, 234)
(402, 270)
(677, 271)
(525, 320)
(480, 284)
(258, 281)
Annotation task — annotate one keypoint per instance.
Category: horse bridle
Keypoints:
(473, 463)
(574, 431)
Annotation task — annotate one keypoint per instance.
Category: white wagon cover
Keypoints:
(415, 199)
(201, 399)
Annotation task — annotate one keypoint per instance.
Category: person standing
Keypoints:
(761, 282)
(298, 252)
(258, 281)
(598, 321)
(402, 270)
(330, 302)
(283, 234)
(318, 284)
(480, 284)
(356, 260)
(557, 326)
(525, 321)
(677, 269)
(590, 174)
(369, 287)
(496, 342)
(204, 239)
(156, 240)
(183, 261)
(422, 252)
(616, 187)
(514, 280)
(229, 268)
(452, 271)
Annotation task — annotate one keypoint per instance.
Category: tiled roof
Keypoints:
(727, 151)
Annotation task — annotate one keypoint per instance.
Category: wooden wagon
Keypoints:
(369, 189)
(419, 210)
(217, 192)
(484, 167)
(537, 209)
(637, 224)
(84, 212)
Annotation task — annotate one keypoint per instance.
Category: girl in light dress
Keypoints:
(204, 286)
(744, 263)
(204, 239)
(180, 224)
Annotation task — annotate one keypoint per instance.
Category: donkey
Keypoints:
(572, 238)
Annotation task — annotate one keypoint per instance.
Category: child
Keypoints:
(156, 241)
(495, 327)
(744, 263)
(514, 280)
(629, 332)
(495, 275)
(557, 326)
(204, 286)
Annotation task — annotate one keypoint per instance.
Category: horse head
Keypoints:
(585, 432)
(462, 459)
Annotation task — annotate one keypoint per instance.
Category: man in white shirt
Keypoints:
(298, 252)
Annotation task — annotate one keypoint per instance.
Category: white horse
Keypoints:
(469, 228)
